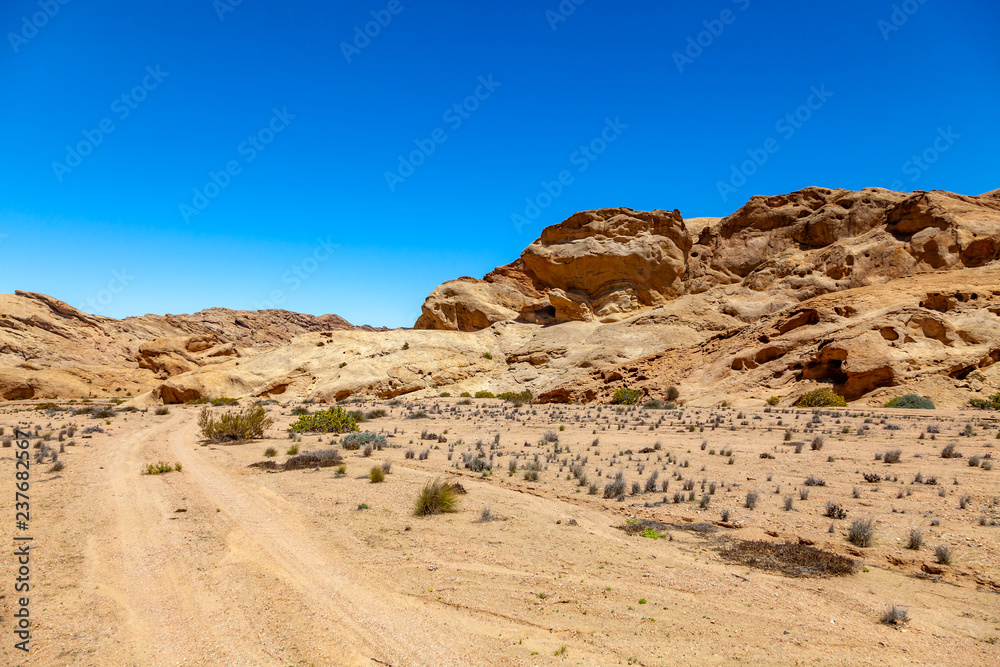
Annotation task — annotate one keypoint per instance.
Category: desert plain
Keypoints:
(225, 563)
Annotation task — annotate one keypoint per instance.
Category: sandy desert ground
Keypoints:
(224, 564)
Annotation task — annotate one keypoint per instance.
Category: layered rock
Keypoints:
(49, 348)
(815, 241)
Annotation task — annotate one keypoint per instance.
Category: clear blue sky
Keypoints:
(309, 128)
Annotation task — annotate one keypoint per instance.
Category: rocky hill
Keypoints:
(49, 348)
(872, 292)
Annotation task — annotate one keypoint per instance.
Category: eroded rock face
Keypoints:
(51, 349)
(793, 247)
(931, 330)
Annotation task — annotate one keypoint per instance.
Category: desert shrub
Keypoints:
(751, 500)
(484, 394)
(892, 456)
(160, 468)
(964, 501)
(616, 487)
(326, 458)
(911, 402)
(224, 401)
(465, 394)
(376, 475)
(835, 511)
(673, 393)
(821, 398)
(246, 424)
(949, 452)
(102, 413)
(437, 497)
(895, 615)
(862, 532)
(943, 554)
(915, 539)
(993, 403)
(486, 515)
(790, 558)
(626, 396)
(334, 420)
(774, 400)
(162, 410)
(814, 481)
(657, 404)
(355, 441)
(550, 436)
(817, 443)
(300, 410)
(651, 481)
(515, 396)
(974, 461)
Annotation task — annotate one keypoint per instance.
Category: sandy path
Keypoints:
(155, 577)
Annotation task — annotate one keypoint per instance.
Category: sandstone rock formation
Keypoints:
(874, 293)
(49, 348)
(796, 246)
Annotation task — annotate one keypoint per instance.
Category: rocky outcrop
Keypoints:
(873, 293)
(601, 264)
(50, 349)
(920, 334)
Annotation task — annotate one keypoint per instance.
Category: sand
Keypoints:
(223, 564)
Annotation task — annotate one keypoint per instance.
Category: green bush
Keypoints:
(376, 475)
(992, 404)
(515, 397)
(437, 497)
(626, 396)
(354, 441)
(821, 398)
(334, 420)
(225, 401)
(247, 424)
(911, 402)
(160, 468)
(465, 394)
(484, 394)
(774, 400)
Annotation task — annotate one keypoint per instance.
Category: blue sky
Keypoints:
(192, 154)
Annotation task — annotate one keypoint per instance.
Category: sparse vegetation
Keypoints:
(626, 396)
(160, 468)
(246, 424)
(862, 532)
(895, 615)
(437, 497)
(911, 402)
(823, 397)
(334, 420)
